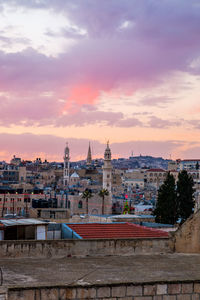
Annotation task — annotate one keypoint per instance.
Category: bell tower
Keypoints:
(89, 156)
(66, 166)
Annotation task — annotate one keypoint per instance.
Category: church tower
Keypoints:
(66, 166)
(107, 170)
(89, 156)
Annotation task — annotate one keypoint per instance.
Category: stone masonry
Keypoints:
(146, 291)
(187, 238)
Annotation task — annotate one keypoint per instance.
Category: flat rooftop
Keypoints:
(68, 271)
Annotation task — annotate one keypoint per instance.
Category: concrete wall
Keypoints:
(82, 248)
(143, 291)
(187, 238)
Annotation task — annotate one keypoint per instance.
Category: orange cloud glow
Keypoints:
(83, 94)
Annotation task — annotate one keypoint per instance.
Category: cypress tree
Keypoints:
(166, 205)
(185, 195)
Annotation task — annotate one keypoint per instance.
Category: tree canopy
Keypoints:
(166, 205)
(185, 195)
(87, 194)
(175, 200)
(102, 194)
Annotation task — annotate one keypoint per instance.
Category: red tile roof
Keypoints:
(115, 230)
(190, 160)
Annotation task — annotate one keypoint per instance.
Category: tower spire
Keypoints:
(89, 156)
(66, 165)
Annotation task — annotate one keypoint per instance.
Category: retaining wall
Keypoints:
(144, 291)
(82, 248)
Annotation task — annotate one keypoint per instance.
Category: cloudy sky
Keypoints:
(93, 70)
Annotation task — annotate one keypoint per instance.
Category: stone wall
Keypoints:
(82, 248)
(3, 293)
(187, 238)
(142, 291)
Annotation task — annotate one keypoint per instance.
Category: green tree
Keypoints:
(185, 195)
(197, 165)
(126, 209)
(166, 205)
(102, 194)
(87, 194)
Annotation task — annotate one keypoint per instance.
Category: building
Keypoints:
(189, 164)
(156, 177)
(23, 229)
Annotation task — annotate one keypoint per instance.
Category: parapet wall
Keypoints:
(187, 238)
(83, 248)
(144, 291)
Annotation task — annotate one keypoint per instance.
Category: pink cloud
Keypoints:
(191, 153)
(160, 38)
(156, 122)
(156, 101)
(30, 146)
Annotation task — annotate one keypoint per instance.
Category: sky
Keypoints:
(77, 71)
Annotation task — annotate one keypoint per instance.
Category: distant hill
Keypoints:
(133, 162)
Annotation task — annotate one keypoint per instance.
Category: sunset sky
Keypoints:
(127, 71)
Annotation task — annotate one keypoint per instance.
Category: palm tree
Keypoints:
(102, 194)
(87, 194)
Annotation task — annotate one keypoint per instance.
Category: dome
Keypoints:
(74, 175)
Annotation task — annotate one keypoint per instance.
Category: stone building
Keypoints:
(156, 177)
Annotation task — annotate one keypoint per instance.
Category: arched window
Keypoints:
(80, 204)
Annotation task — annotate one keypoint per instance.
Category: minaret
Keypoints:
(89, 156)
(107, 170)
(66, 166)
(107, 180)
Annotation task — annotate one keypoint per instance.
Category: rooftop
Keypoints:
(65, 271)
(156, 170)
(115, 230)
(16, 222)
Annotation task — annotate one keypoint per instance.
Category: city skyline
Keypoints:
(77, 71)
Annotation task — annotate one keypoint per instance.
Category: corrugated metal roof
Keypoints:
(16, 222)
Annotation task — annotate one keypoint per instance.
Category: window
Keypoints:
(69, 204)
(108, 176)
(80, 204)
